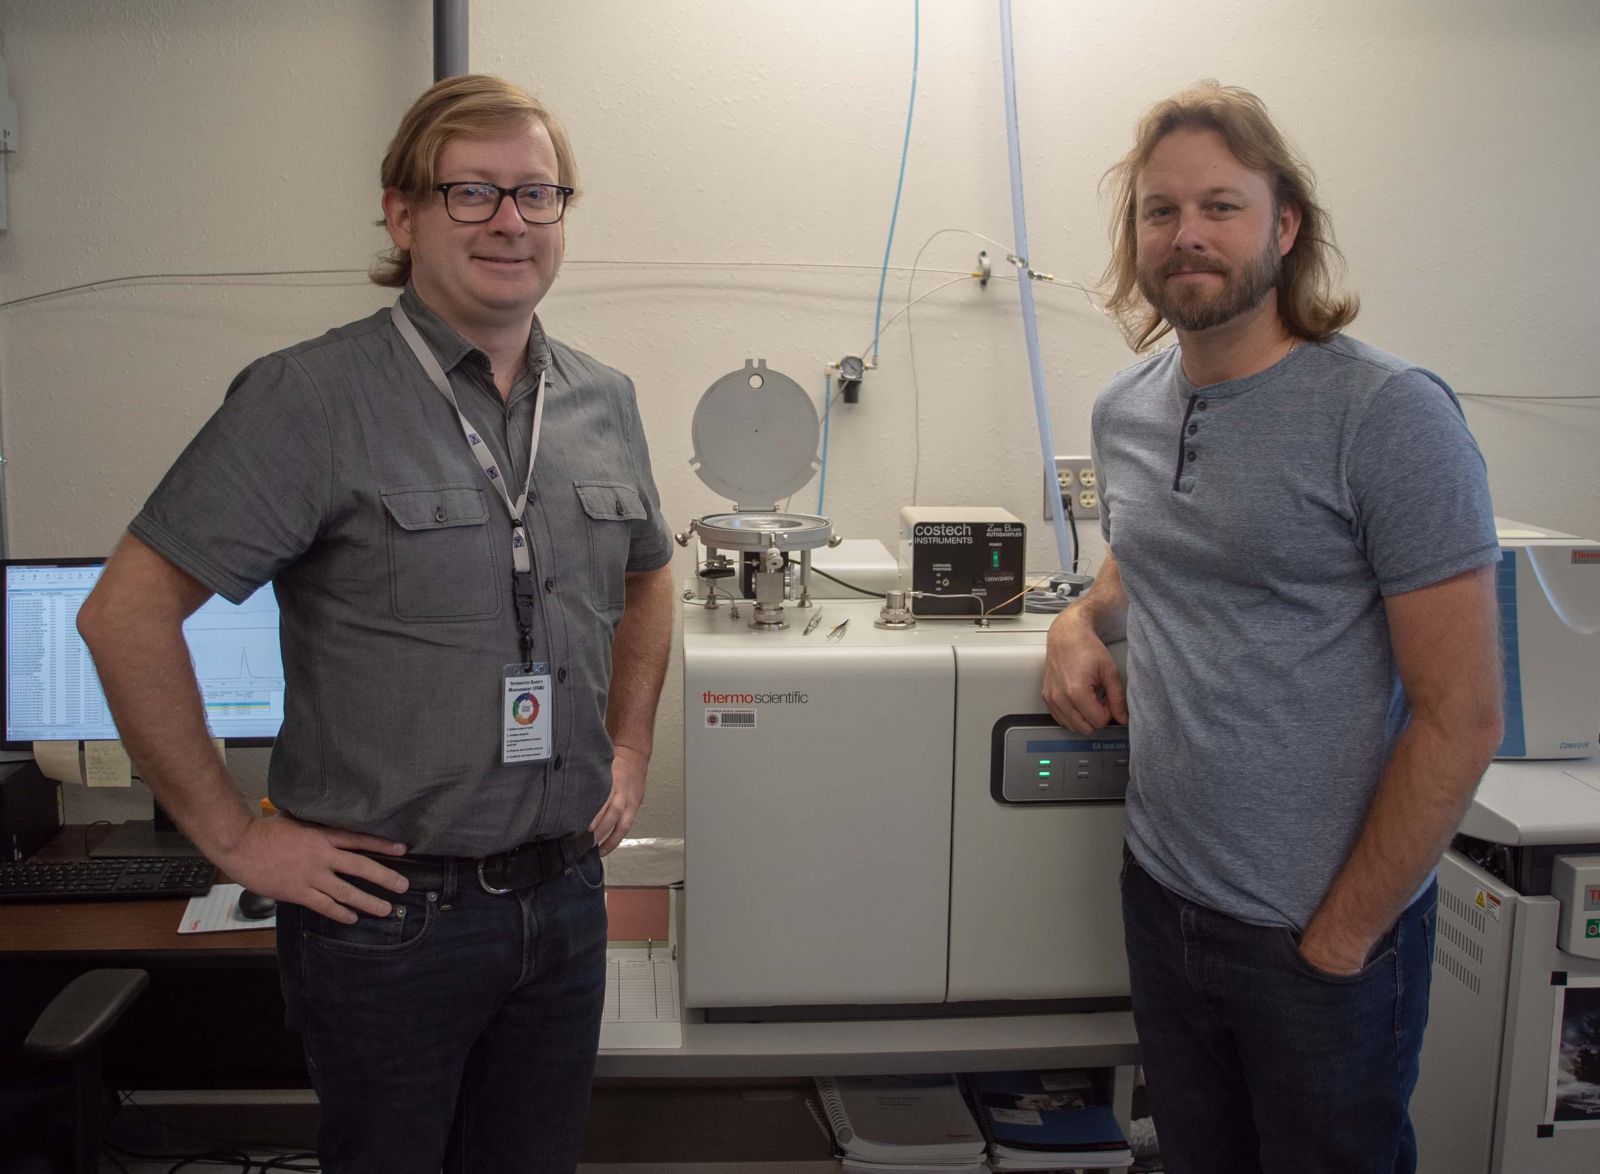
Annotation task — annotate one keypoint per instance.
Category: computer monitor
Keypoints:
(52, 692)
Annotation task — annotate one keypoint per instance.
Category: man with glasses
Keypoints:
(459, 518)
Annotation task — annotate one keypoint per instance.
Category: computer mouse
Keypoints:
(253, 906)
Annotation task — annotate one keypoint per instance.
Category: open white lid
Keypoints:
(755, 437)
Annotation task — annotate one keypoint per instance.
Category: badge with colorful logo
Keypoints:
(528, 707)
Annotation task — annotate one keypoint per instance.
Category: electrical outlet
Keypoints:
(1075, 478)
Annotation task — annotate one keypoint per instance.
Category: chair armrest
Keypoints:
(79, 1017)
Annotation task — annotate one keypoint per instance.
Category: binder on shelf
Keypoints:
(900, 1121)
(1046, 1120)
(862, 1166)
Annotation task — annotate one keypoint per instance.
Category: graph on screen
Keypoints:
(52, 691)
(239, 665)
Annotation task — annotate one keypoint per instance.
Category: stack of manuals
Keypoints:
(905, 1124)
(1047, 1121)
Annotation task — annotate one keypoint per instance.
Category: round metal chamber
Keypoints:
(755, 435)
(762, 531)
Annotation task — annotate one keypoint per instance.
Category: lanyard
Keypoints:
(521, 561)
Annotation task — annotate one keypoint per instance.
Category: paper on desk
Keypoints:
(59, 761)
(642, 1008)
(106, 764)
(218, 910)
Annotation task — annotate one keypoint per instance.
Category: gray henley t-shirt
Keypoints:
(336, 470)
(1258, 525)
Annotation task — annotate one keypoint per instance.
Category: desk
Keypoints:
(213, 1016)
(195, 1023)
(145, 933)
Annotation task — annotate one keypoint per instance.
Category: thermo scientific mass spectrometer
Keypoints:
(878, 811)
(1510, 1078)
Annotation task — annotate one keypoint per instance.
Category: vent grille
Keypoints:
(1462, 910)
(1458, 936)
(1456, 969)
(1459, 947)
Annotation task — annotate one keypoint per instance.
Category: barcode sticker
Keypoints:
(730, 719)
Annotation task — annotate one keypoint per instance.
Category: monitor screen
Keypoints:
(53, 693)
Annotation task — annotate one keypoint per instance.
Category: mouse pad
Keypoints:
(218, 910)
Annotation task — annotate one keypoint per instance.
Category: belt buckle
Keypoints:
(486, 886)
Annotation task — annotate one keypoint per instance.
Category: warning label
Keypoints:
(1489, 903)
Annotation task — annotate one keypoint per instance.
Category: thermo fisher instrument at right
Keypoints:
(1549, 588)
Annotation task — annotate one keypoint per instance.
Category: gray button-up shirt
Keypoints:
(336, 470)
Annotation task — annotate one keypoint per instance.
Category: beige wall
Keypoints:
(1454, 140)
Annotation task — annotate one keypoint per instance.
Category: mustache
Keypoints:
(1190, 265)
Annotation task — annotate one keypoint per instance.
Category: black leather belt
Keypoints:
(531, 864)
(519, 868)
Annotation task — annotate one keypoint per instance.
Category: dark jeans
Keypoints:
(1256, 1061)
(458, 1032)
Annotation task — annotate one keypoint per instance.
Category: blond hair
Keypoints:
(1307, 303)
(472, 105)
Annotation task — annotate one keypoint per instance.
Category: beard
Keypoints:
(1191, 308)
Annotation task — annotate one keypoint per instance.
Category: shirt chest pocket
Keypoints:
(612, 509)
(441, 563)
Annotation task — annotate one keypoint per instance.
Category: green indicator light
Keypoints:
(1044, 774)
(1045, 761)
(994, 559)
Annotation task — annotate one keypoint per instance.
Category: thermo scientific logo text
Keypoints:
(794, 698)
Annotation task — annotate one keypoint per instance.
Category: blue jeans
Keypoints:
(1257, 1062)
(458, 1032)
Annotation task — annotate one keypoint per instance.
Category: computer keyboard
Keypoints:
(106, 878)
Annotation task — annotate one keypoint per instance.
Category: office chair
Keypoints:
(54, 1108)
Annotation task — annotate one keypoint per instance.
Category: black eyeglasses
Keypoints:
(472, 201)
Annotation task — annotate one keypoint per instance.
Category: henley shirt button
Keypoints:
(1191, 454)
(438, 514)
(1193, 428)
(549, 584)
(1200, 405)
(561, 675)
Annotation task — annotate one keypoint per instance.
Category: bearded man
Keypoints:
(1301, 552)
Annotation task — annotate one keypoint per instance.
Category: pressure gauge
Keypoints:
(851, 371)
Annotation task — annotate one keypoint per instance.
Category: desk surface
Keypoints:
(106, 931)
(139, 932)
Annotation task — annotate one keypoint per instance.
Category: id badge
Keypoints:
(526, 713)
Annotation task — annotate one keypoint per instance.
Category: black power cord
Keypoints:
(225, 1152)
(842, 583)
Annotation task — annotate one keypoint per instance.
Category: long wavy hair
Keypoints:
(1307, 302)
(474, 106)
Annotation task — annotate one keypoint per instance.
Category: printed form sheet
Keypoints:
(642, 1008)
